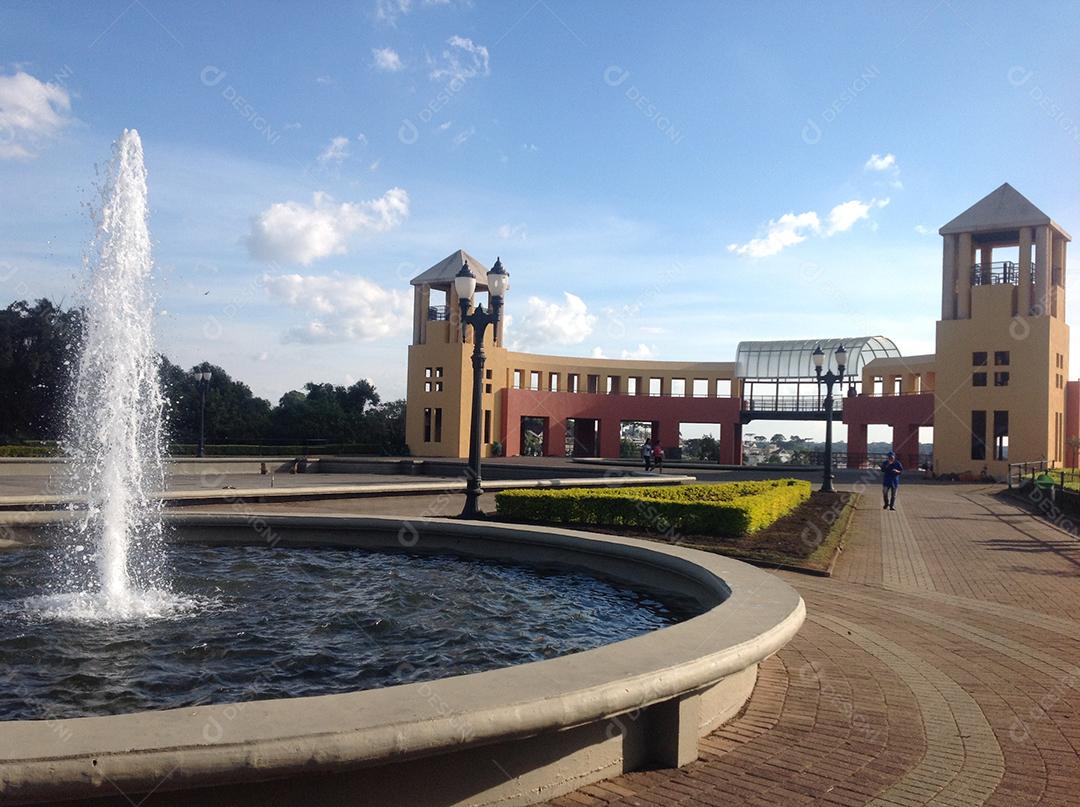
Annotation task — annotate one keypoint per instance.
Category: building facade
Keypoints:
(995, 390)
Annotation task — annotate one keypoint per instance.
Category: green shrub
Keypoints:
(29, 451)
(728, 509)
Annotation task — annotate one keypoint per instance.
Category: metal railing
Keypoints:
(1001, 272)
(1019, 472)
(791, 403)
(438, 313)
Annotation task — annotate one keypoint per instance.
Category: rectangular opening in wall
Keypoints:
(1001, 435)
(593, 384)
(517, 379)
(534, 379)
(438, 424)
(553, 382)
(879, 385)
(487, 425)
(632, 384)
(723, 388)
(978, 358)
(613, 383)
(655, 386)
(1001, 357)
(1001, 379)
(701, 388)
(678, 388)
(438, 386)
(427, 425)
(978, 379)
(978, 434)
(438, 372)
(897, 388)
(572, 381)
(427, 372)
(427, 386)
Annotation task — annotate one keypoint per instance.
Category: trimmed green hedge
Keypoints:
(29, 451)
(729, 509)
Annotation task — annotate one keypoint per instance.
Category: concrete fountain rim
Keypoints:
(754, 614)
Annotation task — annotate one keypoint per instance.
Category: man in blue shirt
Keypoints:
(890, 480)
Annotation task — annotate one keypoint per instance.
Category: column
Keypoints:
(669, 433)
(856, 444)
(731, 444)
(948, 277)
(1024, 301)
(1057, 262)
(1043, 245)
(610, 428)
(986, 263)
(964, 261)
(556, 437)
(905, 443)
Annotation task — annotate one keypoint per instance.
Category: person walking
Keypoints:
(658, 457)
(890, 480)
(646, 455)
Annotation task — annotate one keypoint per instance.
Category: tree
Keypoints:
(39, 345)
(233, 413)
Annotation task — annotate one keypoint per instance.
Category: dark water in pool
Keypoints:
(287, 623)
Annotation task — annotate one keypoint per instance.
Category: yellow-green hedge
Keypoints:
(728, 509)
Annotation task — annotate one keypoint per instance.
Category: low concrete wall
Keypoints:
(511, 736)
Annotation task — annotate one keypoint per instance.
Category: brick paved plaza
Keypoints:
(940, 665)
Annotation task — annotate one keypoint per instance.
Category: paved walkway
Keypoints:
(940, 665)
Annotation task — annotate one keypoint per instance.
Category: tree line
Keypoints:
(38, 355)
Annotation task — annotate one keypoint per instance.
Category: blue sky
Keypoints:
(692, 174)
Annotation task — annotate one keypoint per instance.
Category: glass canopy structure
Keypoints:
(793, 359)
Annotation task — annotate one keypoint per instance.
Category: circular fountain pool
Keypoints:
(287, 623)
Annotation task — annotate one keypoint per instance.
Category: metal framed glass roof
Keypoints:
(794, 359)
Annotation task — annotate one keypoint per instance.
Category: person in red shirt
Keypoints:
(658, 457)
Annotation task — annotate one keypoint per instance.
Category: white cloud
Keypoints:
(922, 229)
(794, 228)
(444, 126)
(598, 353)
(387, 60)
(513, 232)
(642, 351)
(31, 112)
(550, 323)
(388, 11)
(324, 80)
(843, 217)
(885, 164)
(461, 61)
(336, 151)
(878, 162)
(342, 309)
(786, 231)
(291, 232)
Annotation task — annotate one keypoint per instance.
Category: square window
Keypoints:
(978, 379)
(438, 372)
(1001, 379)
(487, 374)
(427, 386)
(1001, 357)
(978, 358)
(438, 386)
(487, 387)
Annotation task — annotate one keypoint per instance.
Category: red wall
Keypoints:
(667, 412)
(1072, 421)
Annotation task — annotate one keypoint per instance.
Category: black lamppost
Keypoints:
(830, 378)
(203, 381)
(498, 282)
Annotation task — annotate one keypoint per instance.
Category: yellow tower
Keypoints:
(1002, 342)
(440, 368)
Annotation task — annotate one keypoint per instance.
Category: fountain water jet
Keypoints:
(114, 429)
